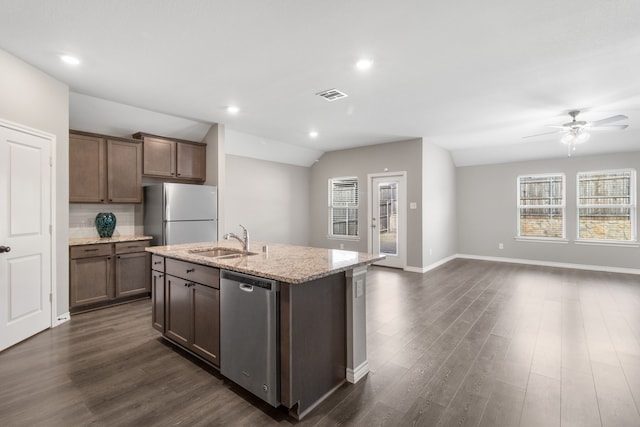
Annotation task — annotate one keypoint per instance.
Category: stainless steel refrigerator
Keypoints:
(180, 213)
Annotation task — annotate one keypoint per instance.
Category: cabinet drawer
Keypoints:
(202, 274)
(128, 247)
(86, 251)
(157, 263)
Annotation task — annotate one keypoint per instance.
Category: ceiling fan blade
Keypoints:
(546, 133)
(610, 127)
(608, 120)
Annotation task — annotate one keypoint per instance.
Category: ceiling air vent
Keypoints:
(332, 94)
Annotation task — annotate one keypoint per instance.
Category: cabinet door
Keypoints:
(191, 161)
(159, 157)
(178, 310)
(124, 172)
(86, 169)
(91, 280)
(157, 300)
(206, 322)
(132, 274)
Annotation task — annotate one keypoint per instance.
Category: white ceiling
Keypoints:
(472, 77)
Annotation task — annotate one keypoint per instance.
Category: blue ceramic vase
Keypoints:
(105, 224)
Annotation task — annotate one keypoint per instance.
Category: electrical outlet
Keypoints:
(359, 288)
(430, 251)
(500, 246)
(341, 245)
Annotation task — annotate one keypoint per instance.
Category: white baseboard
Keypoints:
(355, 375)
(63, 318)
(430, 266)
(552, 264)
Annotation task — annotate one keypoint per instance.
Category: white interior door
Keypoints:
(25, 239)
(387, 218)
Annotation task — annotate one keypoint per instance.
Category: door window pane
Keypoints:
(388, 218)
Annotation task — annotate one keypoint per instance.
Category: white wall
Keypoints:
(439, 205)
(34, 99)
(360, 162)
(270, 199)
(487, 215)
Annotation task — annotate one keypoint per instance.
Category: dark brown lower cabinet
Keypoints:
(191, 309)
(206, 322)
(157, 297)
(105, 273)
(178, 310)
(90, 280)
(132, 274)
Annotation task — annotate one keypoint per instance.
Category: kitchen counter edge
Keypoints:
(283, 263)
(79, 241)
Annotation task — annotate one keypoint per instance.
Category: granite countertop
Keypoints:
(285, 263)
(77, 241)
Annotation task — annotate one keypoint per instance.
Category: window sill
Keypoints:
(631, 244)
(351, 238)
(542, 240)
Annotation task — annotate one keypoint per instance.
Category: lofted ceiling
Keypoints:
(472, 77)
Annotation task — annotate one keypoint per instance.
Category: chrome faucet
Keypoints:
(244, 240)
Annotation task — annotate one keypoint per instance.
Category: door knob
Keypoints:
(5, 249)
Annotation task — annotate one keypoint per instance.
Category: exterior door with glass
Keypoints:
(388, 218)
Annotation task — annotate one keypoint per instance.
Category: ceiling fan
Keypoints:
(577, 131)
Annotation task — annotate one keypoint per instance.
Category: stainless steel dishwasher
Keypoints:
(249, 333)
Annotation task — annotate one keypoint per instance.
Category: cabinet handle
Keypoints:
(90, 250)
(157, 262)
(190, 270)
(118, 256)
(102, 200)
(160, 276)
(189, 284)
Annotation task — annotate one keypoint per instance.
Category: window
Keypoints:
(607, 205)
(541, 206)
(343, 207)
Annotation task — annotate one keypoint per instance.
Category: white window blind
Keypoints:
(541, 206)
(343, 207)
(607, 205)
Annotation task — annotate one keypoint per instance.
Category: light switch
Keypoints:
(413, 205)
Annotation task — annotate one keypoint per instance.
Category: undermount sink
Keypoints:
(222, 253)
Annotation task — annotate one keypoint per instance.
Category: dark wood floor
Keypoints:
(471, 343)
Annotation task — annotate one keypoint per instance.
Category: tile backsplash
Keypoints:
(82, 219)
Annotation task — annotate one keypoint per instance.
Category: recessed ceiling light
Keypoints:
(232, 109)
(69, 60)
(364, 64)
(313, 134)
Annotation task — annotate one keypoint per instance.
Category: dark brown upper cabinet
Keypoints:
(173, 158)
(104, 169)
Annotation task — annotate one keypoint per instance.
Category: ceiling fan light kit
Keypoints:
(573, 138)
(576, 131)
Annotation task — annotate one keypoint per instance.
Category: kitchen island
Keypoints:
(322, 310)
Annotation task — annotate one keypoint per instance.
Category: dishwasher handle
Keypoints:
(246, 288)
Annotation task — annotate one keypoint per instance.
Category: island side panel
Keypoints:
(313, 341)
(357, 364)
